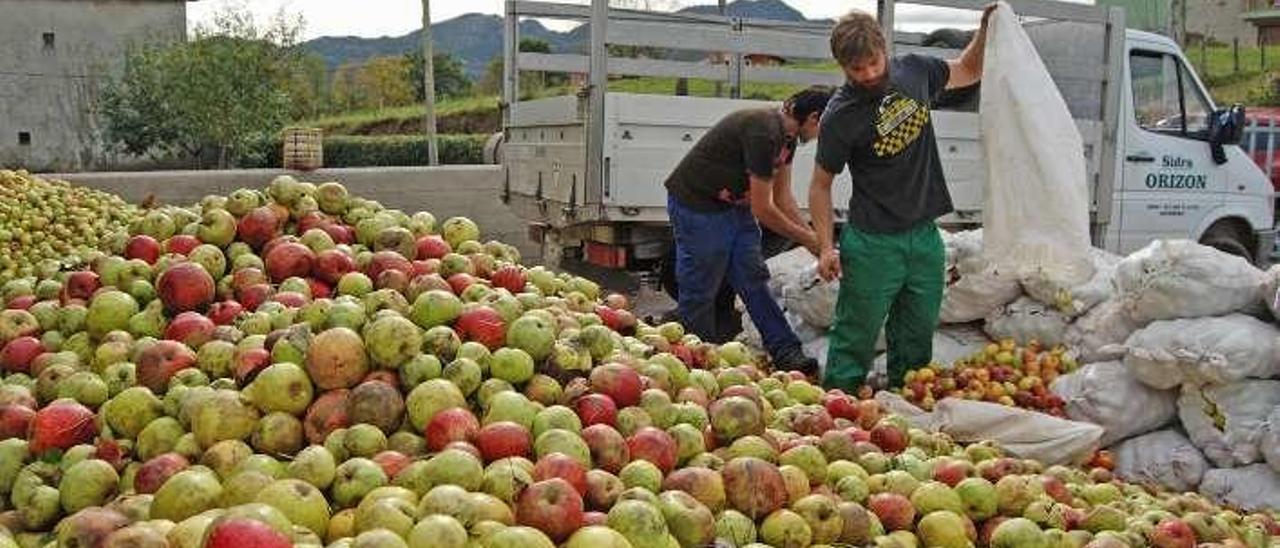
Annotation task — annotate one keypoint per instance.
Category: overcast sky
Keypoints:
(372, 18)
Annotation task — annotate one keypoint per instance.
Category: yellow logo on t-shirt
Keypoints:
(899, 123)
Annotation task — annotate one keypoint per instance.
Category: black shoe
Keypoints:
(793, 359)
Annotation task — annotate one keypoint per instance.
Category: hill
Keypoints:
(476, 38)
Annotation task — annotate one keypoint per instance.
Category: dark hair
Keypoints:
(855, 37)
(808, 101)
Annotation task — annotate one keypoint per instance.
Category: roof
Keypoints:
(1264, 15)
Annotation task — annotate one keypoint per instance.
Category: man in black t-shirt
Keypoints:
(891, 260)
(737, 176)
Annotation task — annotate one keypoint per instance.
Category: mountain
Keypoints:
(476, 38)
(473, 38)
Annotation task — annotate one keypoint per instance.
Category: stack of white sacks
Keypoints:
(1180, 342)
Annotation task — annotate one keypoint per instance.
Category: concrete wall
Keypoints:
(471, 191)
(49, 91)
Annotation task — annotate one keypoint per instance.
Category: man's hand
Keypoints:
(829, 265)
(986, 13)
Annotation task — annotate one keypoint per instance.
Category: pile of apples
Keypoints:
(300, 367)
(1001, 373)
(47, 225)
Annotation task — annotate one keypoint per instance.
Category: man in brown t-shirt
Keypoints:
(735, 178)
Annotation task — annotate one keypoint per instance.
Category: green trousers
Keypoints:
(894, 281)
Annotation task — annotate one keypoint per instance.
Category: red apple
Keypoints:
(289, 260)
(248, 363)
(482, 324)
(225, 312)
(23, 302)
(190, 328)
(596, 409)
(450, 425)
(387, 260)
(503, 439)
(15, 420)
(895, 511)
(16, 355)
(182, 244)
(888, 437)
(253, 296)
(559, 465)
(392, 462)
(160, 361)
(142, 247)
(185, 286)
(247, 277)
(433, 246)
(291, 299)
(258, 227)
(341, 234)
(509, 277)
(460, 282)
(952, 471)
(1172, 533)
(552, 506)
(244, 533)
(153, 473)
(61, 425)
(310, 220)
(655, 446)
(619, 382)
(81, 285)
(331, 264)
(608, 448)
(841, 406)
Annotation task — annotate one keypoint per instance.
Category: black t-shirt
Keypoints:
(714, 175)
(888, 143)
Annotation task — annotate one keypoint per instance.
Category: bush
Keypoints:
(390, 150)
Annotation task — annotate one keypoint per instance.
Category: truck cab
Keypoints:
(1170, 185)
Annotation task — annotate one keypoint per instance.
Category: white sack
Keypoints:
(1165, 458)
(977, 294)
(1225, 421)
(785, 268)
(1094, 335)
(1269, 444)
(1074, 301)
(1217, 350)
(812, 299)
(1034, 156)
(1271, 290)
(952, 343)
(1171, 279)
(1022, 433)
(1025, 320)
(1106, 394)
(1251, 487)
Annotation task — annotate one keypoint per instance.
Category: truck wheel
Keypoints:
(1231, 238)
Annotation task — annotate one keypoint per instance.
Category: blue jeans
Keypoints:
(713, 246)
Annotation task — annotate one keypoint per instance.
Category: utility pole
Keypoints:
(429, 85)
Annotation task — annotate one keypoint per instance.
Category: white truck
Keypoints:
(587, 170)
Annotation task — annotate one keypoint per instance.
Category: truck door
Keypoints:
(1170, 180)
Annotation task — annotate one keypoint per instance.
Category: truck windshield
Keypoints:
(1165, 97)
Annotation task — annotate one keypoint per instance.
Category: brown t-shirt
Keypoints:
(714, 175)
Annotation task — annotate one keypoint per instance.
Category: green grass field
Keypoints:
(1217, 69)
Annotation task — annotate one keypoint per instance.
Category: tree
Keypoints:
(531, 82)
(232, 85)
(385, 82)
(451, 77)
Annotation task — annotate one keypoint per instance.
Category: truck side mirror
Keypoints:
(1226, 127)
